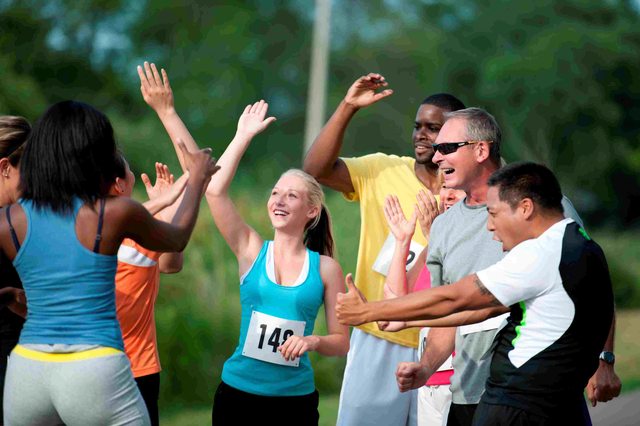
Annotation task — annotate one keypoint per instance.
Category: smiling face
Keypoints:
(289, 205)
(429, 121)
(508, 225)
(458, 168)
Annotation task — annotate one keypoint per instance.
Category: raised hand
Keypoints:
(411, 375)
(401, 228)
(155, 88)
(428, 210)
(363, 92)
(165, 191)
(350, 307)
(295, 346)
(164, 180)
(253, 121)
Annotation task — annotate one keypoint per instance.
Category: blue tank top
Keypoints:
(261, 297)
(70, 290)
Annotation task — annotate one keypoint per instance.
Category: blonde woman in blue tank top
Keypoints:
(62, 237)
(282, 285)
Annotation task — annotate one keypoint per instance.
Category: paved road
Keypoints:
(622, 411)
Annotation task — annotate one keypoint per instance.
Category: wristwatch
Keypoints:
(607, 357)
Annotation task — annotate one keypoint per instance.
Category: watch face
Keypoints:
(607, 357)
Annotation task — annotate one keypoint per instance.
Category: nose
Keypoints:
(437, 157)
(490, 225)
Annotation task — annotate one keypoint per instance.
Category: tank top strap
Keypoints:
(14, 237)
(96, 244)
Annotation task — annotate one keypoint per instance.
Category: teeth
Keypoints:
(448, 171)
(279, 213)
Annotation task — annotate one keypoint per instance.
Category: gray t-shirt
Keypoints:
(460, 245)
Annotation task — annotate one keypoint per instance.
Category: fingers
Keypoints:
(165, 79)
(350, 284)
(294, 347)
(156, 75)
(144, 83)
(383, 94)
(146, 181)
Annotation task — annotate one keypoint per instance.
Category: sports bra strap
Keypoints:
(14, 237)
(96, 244)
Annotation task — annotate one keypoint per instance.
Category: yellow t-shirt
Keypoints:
(374, 177)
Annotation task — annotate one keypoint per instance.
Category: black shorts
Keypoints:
(232, 406)
(504, 415)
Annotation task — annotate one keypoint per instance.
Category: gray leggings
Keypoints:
(94, 391)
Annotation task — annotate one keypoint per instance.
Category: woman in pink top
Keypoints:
(434, 398)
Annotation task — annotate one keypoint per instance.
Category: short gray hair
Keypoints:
(481, 126)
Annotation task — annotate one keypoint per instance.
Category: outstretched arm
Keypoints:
(241, 238)
(322, 160)
(336, 342)
(135, 222)
(157, 93)
(467, 294)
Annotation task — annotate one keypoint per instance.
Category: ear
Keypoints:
(118, 185)
(482, 151)
(313, 212)
(527, 207)
(4, 167)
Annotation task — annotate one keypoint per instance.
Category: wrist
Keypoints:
(349, 106)
(314, 342)
(166, 112)
(607, 358)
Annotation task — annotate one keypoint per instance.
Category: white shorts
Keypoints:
(370, 394)
(433, 405)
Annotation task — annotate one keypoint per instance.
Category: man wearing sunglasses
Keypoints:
(467, 152)
(369, 393)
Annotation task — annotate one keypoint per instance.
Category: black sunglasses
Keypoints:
(451, 147)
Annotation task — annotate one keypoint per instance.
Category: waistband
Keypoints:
(65, 357)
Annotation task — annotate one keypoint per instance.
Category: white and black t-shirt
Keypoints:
(559, 291)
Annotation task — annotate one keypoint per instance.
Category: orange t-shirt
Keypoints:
(137, 281)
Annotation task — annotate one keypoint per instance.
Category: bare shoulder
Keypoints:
(330, 269)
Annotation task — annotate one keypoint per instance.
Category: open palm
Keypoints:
(253, 121)
(401, 228)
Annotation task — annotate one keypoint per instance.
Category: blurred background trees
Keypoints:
(560, 76)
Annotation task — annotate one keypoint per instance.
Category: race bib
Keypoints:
(266, 333)
(383, 261)
(488, 324)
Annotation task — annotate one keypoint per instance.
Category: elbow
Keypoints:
(309, 167)
(344, 350)
(170, 269)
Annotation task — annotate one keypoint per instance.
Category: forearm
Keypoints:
(439, 346)
(423, 305)
(177, 130)
(460, 318)
(187, 213)
(610, 342)
(228, 162)
(336, 344)
(326, 148)
(155, 206)
(397, 277)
